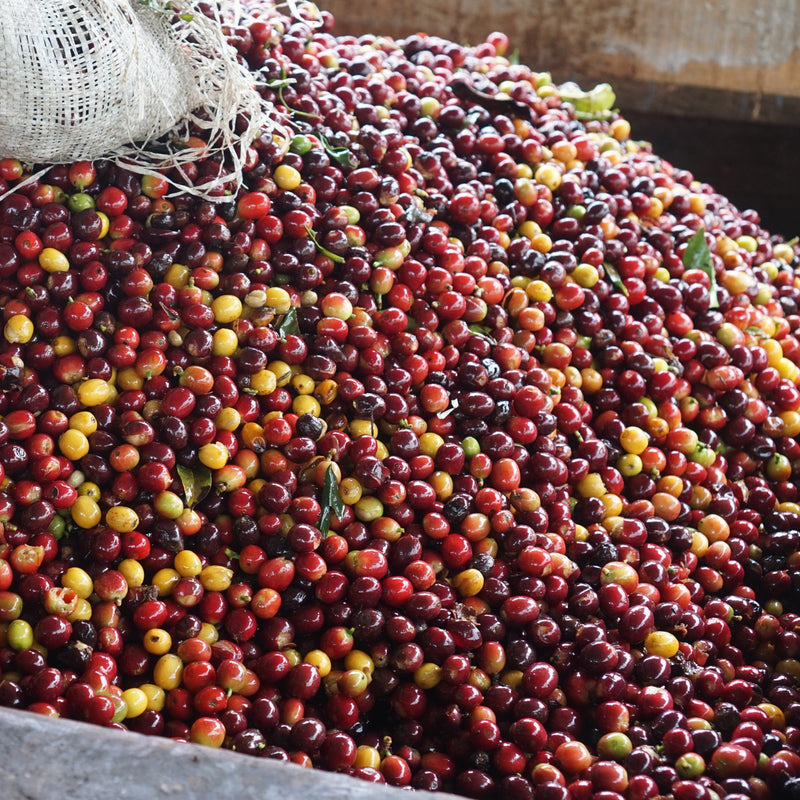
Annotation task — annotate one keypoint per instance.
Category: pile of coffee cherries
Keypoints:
(457, 450)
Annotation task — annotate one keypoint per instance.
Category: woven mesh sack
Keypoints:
(90, 79)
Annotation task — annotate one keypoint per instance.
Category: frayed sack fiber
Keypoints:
(90, 79)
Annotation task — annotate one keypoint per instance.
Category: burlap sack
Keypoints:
(89, 79)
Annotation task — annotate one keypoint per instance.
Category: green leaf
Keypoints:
(196, 483)
(595, 103)
(614, 277)
(331, 500)
(288, 324)
(337, 259)
(698, 256)
(341, 155)
(483, 332)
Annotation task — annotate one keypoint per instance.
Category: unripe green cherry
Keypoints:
(20, 634)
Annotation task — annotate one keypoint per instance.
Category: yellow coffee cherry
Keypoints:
(229, 419)
(122, 519)
(89, 489)
(64, 345)
(157, 641)
(783, 252)
(135, 702)
(178, 275)
(620, 129)
(367, 756)
(320, 659)
(52, 260)
(156, 696)
(775, 715)
(93, 392)
(306, 404)
(263, 382)
(613, 505)
(216, 578)
(629, 465)
(73, 444)
(165, 580)
(227, 308)
(287, 177)
(132, 571)
(278, 299)
(700, 544)
(129, 380)
(468, 582)
(224, 342)
(18, 330)
(586, 275)
(539, 291)
(542, 243)
(85, 512)
(326, 391)
(213, 455)
(83, 421)
(362, 427)
(303, 384)
(79, 581)
(591, 485)
(429, 443)
(352, 682)
(634, 440)
(282, 372)
(208, 633)
(105, 224)
(549, 175)
(168, 671)
(442, 483)
(661, 643)
(529, 229)
(83, 610)
(358, 659)
(350, 490)
(428, 675)
(187, 564)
